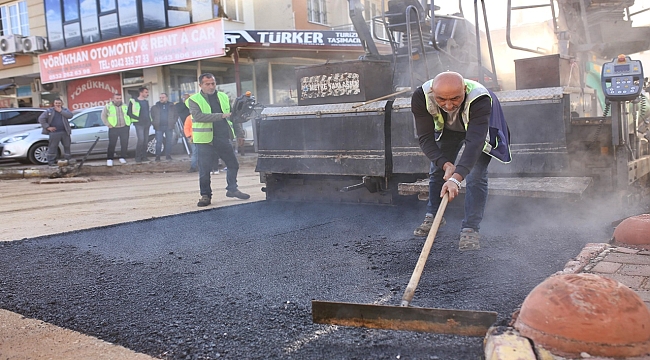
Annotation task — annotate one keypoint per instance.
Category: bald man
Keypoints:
(451, 111)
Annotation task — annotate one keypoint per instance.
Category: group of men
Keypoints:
(212, 131)
(119, 116)
(449, 111)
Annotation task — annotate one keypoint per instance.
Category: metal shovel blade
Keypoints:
(441, 321)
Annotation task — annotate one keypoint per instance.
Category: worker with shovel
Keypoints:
(450, 112)
(471, 114)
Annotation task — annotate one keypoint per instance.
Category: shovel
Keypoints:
(404, 317)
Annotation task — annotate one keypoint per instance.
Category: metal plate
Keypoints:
(339, 108)
(441, 321)
(540, 187)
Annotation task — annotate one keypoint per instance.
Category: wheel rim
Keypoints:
(40, 154)
(151, 147)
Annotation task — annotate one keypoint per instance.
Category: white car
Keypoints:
(31, 146)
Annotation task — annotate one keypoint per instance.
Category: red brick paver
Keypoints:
(629, 266)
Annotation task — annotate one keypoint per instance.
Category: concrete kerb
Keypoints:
(99, 168)
(505, 342)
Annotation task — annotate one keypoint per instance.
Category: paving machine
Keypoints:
(351, 138)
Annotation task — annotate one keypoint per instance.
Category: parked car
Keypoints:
(14, 120)
(248, 137)
(31, 146)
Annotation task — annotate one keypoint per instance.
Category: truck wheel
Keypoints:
(37, 154)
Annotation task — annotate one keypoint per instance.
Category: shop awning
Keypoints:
(6, 86)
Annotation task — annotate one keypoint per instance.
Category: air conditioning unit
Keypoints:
(11, 44)
(49, 87)
(32, 44)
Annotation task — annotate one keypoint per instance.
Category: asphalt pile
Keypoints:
(237, 282)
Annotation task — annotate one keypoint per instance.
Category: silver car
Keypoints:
(14, 120)
(31, 146)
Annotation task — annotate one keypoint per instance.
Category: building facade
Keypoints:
(85, 50)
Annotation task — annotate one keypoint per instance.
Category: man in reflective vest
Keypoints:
(114, 115)
(141, 117)
(451, 112)
(212, 132)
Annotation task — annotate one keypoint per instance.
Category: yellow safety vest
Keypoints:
(112, 114)
(473, 91)
(135, 109)
(202, 132)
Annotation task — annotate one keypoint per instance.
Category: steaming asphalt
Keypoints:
(236, 282)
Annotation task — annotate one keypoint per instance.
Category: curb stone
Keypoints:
(505, 342)
(99, 168)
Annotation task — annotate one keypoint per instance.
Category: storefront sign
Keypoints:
(96, 91)
(180, 44)
(317, 38)
(8, 59)
(339, 84)
(5, 103)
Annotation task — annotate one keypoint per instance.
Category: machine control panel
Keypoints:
(622, 79)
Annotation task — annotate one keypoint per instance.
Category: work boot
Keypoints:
(425, 227)
(204, 201)
(469, 240)
(238, 194)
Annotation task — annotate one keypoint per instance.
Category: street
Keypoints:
(155, 276)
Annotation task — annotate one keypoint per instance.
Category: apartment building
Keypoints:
(85, 50)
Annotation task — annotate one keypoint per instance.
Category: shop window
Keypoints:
(317, 11)
(15, 19)
(234, 9)
(54, 20)
(284, 84)
(128, 17)
(70, 11)
(89, 22)
(153, 14)
(107, 5)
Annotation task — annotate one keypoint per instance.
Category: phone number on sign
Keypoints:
(174, 55)
(124, 62)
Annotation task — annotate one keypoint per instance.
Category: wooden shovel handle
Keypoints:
(415, 278)
(381, 98)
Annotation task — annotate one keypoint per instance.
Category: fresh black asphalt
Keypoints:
(236, 282)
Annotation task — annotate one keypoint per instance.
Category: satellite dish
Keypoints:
(48, 87)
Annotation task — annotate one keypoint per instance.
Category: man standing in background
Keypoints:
(114, 115)
(182, 109)
(139, 113)
(164, 116)
(212, 133)
(55, 124)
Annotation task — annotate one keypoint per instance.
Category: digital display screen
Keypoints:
(621, 68)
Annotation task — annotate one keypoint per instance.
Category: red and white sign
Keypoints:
(97, 91)
(186, 43)
(5, 103)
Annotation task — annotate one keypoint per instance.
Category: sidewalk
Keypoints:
(180, 163)
(630, 267)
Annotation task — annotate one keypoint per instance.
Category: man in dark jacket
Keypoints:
(164, 116)
(182, 109)
(55, 124)
(451, 112)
